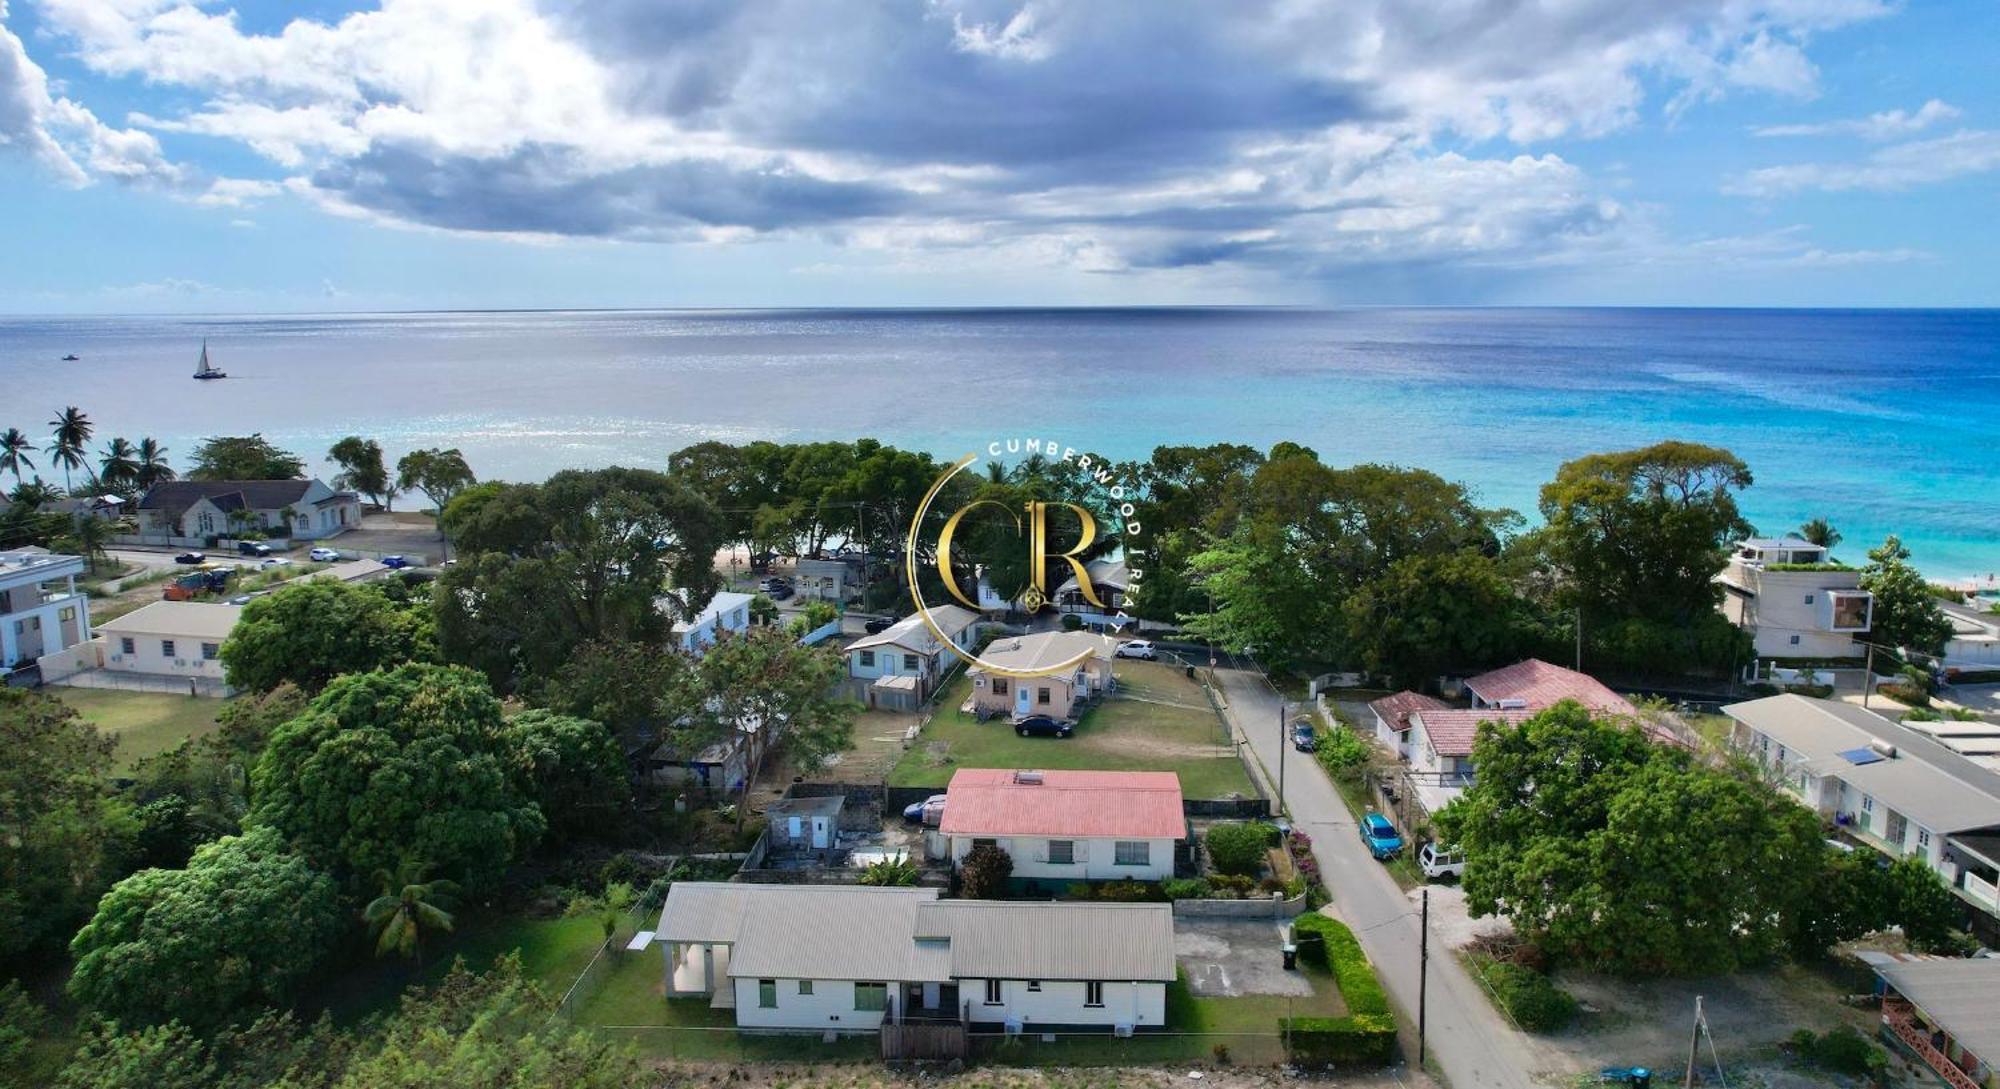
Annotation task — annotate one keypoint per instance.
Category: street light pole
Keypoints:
(1282, 746)
(1423, 973)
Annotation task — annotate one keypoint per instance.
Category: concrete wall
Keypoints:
(1094, 859)
(830, 1006)
(150, 656)
(1266, 907)
(1060, 1002)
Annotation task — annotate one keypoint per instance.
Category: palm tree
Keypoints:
(408, 906)
(14, 450)
(120, 467)
(72, 432)
(152, 465)
(1820, 532)
(34, 493)
(88, 536)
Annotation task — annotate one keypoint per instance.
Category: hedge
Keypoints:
(1530, 998)
(1238, 848)
(1367, 1035)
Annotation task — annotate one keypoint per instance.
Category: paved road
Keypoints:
(1470, 1042)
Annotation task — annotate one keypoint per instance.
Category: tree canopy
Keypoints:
(312, 630)
(1907, 613)
(573, 769)
(244, 457)
(439, 474)
(768, 684)
(63, 837)
(362, 469)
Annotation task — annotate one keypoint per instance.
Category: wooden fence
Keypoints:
(922, 1043)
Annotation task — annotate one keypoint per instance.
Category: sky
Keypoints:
(171, 156)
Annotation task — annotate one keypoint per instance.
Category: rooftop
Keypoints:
(1962, 996)
(19, 566)
(191, 619)
(1102, 573)
(1004, 802)
(723, 601)
(1052, 940)
(1540, 685)
(1395, 710)
(176, 496)
(912, 633)
(1451, 730)
(1046, 650)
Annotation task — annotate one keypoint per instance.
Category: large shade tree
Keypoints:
(1907, 613)
(314, 630)
(63, 836)
(572, 767)
(244, 457)
(363, 470)
(776, 691)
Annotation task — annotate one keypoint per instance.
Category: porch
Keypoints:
(1930, 1044)
(700, 968)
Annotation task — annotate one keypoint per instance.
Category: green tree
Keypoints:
(1429, 613)
(119, 467)
(439, 474)
(63, 836)
(362, 469)
(1921, 903)
(983, 873)
(763, 610)
(775, 691)
(408, 908)
(652, 696)
(240, 927)
(1907, 613)
(1821, 532)
(14, 450)
(313, 630)
(22, 1021)
(410, 762)
(70, 432)
(244, 457)
(572, 768)
(1237, 848)
(152, 467)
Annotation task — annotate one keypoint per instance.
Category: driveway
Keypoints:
(1983, 698)
(1466, 1036)
(1228, 958)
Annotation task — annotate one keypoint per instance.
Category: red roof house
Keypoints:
(1068, 825)
(1535, 685)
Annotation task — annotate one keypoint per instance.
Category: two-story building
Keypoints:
(901, 665)
(1794, 600)
(1065, 826)
(727, 611)
(41, 610)
(1111, 580)
(1439, 749)
(200, 509)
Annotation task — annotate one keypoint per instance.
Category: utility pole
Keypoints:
(1868, 677)
(1694, 1042)
(1423, 973)
(1283, 744)
(1579, 638)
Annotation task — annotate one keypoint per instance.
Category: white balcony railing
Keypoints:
(1982, 891)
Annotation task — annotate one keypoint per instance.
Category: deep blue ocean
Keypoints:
(1881, 421)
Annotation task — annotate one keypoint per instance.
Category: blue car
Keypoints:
(1380, 836)
(395, 563)
(1303, 737)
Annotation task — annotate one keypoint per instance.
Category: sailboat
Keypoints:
(205, 369)
(71, 358)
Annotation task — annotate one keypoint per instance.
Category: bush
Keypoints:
(1529, 997)
(984, 873)
(1237, 848)
(21, 1020)
(1185, 888)
(1842, 1050)
(890, 871)
(1341, 751)
(1367, 1035)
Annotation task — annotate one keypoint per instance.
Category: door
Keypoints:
(819, 833)
(1022, 694)
(793, 828)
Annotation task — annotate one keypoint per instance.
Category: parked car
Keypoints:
(1137, 648)
(395, 563)
(276, 561)
(191, 557)
(878, 625)
(1043, 726)
(252, 548)
(1303, 737)
(1440, 861)
(914, 812)
(323, 555)
(779, 593)
(1380, 837)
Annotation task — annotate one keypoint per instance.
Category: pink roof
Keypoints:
(1451, 730)
(1083, 804)
(1540, 686)
(1395, 710)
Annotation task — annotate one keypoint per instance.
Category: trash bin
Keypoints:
(1291, 957)
(1642, 1078)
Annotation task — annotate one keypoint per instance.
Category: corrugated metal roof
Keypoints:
(804, 931)
(1962, 996)
(1132, 804)
(911, 633)
(1542, 685)
(178, 619)
(995, 939)
(1045, 650)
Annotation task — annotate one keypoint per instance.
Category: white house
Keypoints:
(195, 509)
(833, 580)
(1064, 826)
(1392, 718)
(847, 958)
(1793, 600)
(903, 663)
(1112, 582)
(168, 640)
(1440, 750)
(41, 611)
(1975, 635)
(1885, 786)
(726, 611)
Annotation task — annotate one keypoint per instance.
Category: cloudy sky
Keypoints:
(166, 155)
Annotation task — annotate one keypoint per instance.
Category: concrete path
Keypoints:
(1467, 1039)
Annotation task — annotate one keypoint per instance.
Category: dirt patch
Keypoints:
(1451, 922)
(878, 744)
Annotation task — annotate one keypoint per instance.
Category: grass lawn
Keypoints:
(145, 723)
(629, 1004)
(553, 952)
(1159, 721)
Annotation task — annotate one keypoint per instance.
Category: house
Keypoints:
(107, 507)
(902, 664)
(200, 509)
(1535, 685)
(41, 610)
(1975, 635)
(1943, 1011)
(1112, 581)
(826, 580)
(1392, 717)
(176, 640)
(849, 958)
(726, 611)
(1063, 826)
(1058, 695)
(1884, 786)
(1440, 749)
(1794, 600)
(802, 826)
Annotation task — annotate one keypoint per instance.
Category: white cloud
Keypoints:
(1885, 125)
(1893, 168)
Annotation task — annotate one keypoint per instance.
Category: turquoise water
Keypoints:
(1881, 421)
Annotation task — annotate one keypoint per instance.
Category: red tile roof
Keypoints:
(1451, 730)
(1131, 804)
(1540, 685)
(1395, 710)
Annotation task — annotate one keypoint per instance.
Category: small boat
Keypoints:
(205, 370)
(71, 358)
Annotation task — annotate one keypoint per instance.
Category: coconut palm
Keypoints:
(407, 908)
(34, 493)
(152, 465)
(1820, 532)
(14, 451)
(72, 431)
(119, 468)
(88, 537)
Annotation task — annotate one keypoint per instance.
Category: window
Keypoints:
(999, 686)
(1923, 838)
(126, 645)
(1041, 695)
(1093, 994)
(910, 662)
(767, 994)
(209, 651)
(1809, 599)
(978, 843)
(1062, 852)
(1035, 985)
(1867, 803)
(66, 614)
(1131, 852)
(871, 997)
(805, 986)
(868, 658)
(993, 992)
(1795, 640)
(166, 648)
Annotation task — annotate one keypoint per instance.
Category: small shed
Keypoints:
(802, 825)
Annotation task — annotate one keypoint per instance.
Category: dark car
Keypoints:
(191, 557)
(1303, 737)
(395, 563)
(914, 812)
(878, 625)
(253, 548)
(780, 592)
(1043, 726)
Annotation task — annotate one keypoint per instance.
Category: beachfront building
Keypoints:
(1794, 600)
(198, 510)
(41, 610)
(1065, 826)
(1974, 645)
(727, 611)
(900, 666)
(1885, 787)
(1060, 695)
(834, 580)
(850, 958)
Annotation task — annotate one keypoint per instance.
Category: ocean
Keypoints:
(1881, 421)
